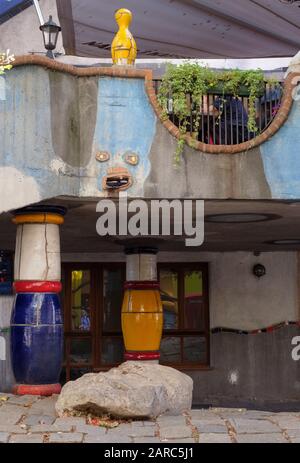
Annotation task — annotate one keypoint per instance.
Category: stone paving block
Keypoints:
(125, 428)
(138, 424)
(256, 414)
(165, 420)
(142, 431)
(65, 437)
(67, 424)
(261, 438)
(24, 400)
(174, 432)
(13, 429)
(227, 414)
(44, 406)
(4, 437)
(60, 426)
(247, 415)
(90, 429)
(208, 420)
(13, 408)
(108, 439)
(189, 440)
(26, 439)
(71, 421)
(295, 433)
(202, 413)
(149, 423)
(211, 428)
(251, 426)
(33, 420)
(287, 422)
(51, 428)
(220, 410)
(10, 418)
(146, 440)
(42, 428)
(214, 439)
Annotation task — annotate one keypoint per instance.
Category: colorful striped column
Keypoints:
(36, 322)
(142, 313)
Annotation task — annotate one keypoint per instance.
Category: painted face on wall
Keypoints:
(125, 128)
(62, 125)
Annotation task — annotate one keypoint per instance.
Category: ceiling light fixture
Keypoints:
(285, 242)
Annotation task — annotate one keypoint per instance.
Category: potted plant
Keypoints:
(194, 81)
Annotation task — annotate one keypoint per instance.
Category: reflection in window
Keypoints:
(81, 311)
(81, 351)
(194, 349)
(169, 298)
(112, 299)
(112, 350)
(170, 350)
(76, 373)
(194, 311)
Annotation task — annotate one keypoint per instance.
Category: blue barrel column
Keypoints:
(36, 322)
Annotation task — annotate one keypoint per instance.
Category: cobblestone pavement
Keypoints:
(28, 419)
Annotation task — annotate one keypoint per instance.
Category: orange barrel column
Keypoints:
(142, 313)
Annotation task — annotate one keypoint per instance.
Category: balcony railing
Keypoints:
(224, 118)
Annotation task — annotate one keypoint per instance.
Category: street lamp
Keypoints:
(50, 32)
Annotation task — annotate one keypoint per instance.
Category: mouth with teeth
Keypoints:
(117, 179)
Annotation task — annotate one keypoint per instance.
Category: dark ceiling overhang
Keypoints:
(10, 8)
(78, 233)
(185, 28)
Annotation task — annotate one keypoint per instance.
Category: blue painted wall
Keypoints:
(31, 170)
(34, 166)
(125, 123)
(281, 158)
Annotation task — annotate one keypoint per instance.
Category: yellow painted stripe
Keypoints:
(48, 217)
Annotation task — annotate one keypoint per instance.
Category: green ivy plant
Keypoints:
(188, 82)
(5, 62)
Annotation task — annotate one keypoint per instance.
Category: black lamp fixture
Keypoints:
(259, 270)
(50, 32)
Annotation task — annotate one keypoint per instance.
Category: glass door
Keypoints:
(92, 300)
(112, 347)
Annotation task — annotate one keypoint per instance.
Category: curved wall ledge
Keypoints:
(280, 118)
(113, 71)
(128, 72)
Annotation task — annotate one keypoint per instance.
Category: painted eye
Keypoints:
(131, 158)
(102, 156)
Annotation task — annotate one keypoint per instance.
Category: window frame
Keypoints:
(182, 332)
(96, 334)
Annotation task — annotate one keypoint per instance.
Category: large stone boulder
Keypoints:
(132, 390)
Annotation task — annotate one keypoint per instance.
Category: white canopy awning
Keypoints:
(185, 28)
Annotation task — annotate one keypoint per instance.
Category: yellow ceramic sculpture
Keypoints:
(123, 47)
(142, 320)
